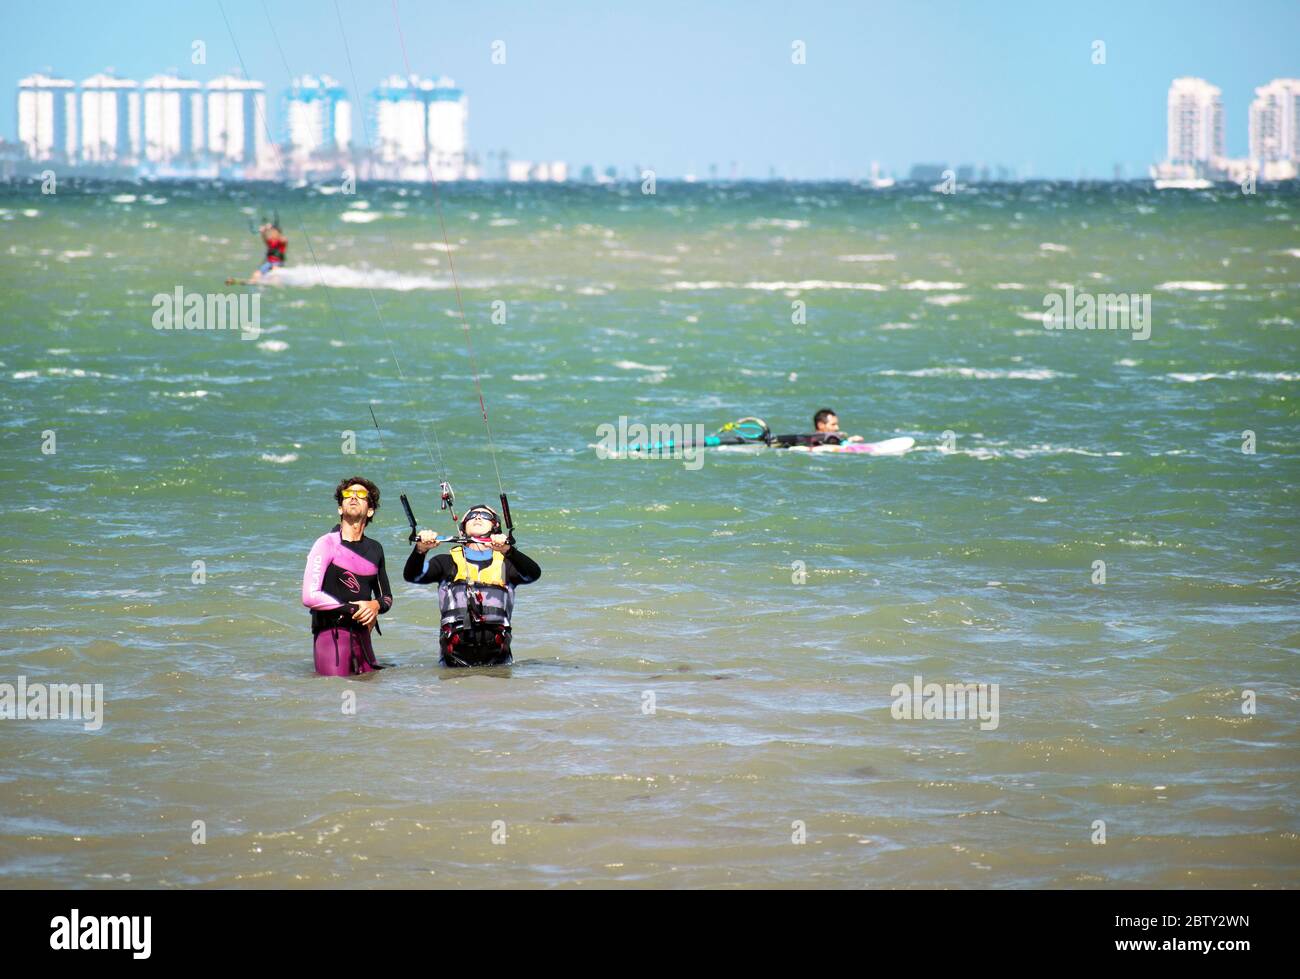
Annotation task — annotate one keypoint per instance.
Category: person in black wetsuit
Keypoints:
(346, 585)
(476, 589)
(826, 431)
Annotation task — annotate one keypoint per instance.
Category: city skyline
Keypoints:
(615, 91)
(173, 126)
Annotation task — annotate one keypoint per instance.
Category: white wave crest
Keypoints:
(1234, 375)
(789, 225)
(344, 277)
(63, 372)
(803, 286)
(1181, 286)
(979, 373)
(984, 452)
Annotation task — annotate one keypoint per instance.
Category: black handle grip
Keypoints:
(410, 517)
(509, 520)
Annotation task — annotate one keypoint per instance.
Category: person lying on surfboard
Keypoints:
(755, 432)
(826, 431)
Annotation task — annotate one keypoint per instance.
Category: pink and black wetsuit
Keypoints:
(339, 572)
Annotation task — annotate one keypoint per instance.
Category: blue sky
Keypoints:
(680, 85)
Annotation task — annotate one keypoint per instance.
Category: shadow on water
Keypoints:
(534, 665)
(525, 667)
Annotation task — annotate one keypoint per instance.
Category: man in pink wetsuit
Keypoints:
(346, 586)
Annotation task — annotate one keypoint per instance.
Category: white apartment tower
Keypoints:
(420, 127)
(318, 116)
(172, 118)
(110, 120)
(448, 114)
(47, 117)
(1195, 123)
(1275, 122)
(236, 121)
(400, 136)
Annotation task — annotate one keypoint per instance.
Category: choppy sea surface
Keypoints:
(704, 685)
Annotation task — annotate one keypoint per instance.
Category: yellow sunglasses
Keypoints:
(359, 494)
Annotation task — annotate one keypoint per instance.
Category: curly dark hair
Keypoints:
(371, 488)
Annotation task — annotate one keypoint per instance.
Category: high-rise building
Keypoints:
(172, 119)
(400, 135)
(318, 117)
(448, 111)
(420, 127)
(47, 118)
(236, 121)
(1195, 124)
(1275, 122)
(110, 120)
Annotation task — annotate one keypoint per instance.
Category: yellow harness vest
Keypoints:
(493, 574)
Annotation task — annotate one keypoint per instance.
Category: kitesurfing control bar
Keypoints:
(448, 503)
(415, 529)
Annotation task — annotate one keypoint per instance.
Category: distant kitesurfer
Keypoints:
(476, 588)
(346, 586)
(826, 431)
(276, 246)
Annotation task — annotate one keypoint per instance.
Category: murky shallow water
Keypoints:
(969, 559)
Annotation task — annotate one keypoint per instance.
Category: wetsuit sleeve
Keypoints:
(814, 438)
(312, 577)
(827, 438)
(425, 569)
(521, 569)
(383, 591)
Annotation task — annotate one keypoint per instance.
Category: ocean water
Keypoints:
(705, 673)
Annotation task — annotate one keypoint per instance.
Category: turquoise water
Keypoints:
(768, 603)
